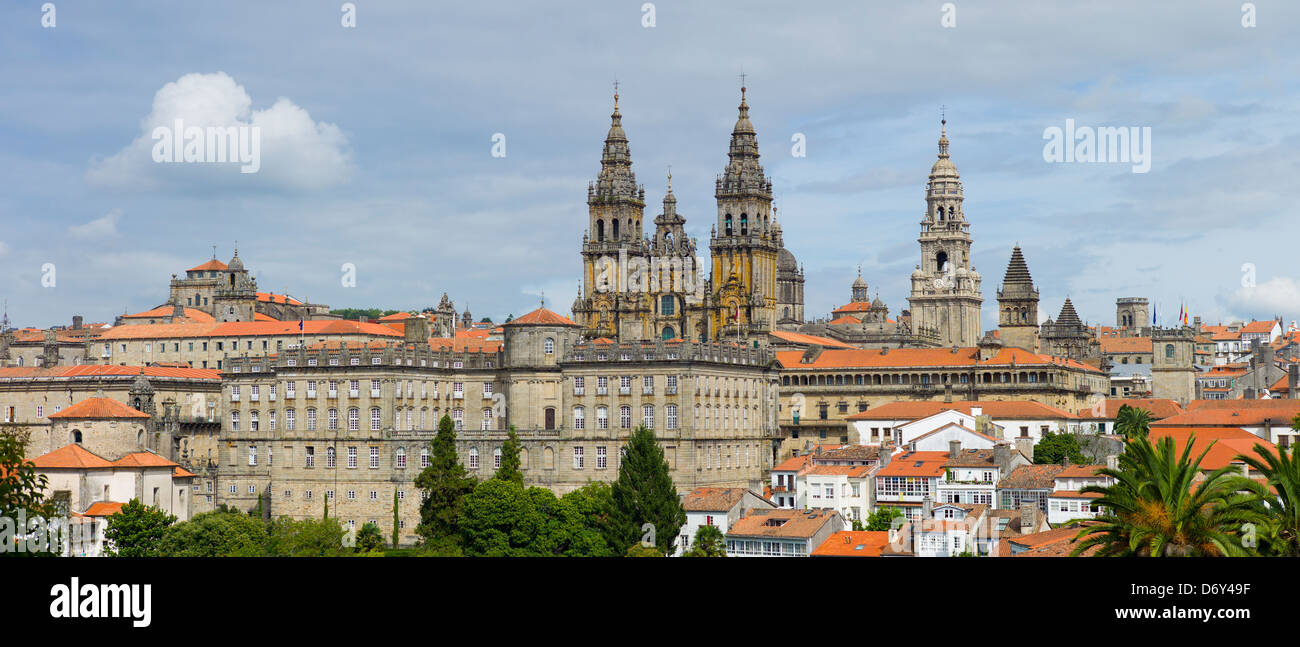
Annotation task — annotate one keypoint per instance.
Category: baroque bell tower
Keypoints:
(608, 305)
(946, 293)
(744, 243)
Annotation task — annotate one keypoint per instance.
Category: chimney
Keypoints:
(1026, 447)
(954, 448)
(927, 508)
(1293, 382)
(1245, 470)
(947, 392)
(885, 455)
(1028, 517)
(1112, 461)
(1002, 457)
(363, 319)
(76, 322)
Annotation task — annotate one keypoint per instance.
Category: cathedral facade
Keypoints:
(638, 287)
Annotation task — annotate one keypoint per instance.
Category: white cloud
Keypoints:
(1279, 295)
(296, 153)
(98, 228)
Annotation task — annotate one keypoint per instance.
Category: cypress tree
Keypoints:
(444, 484)
(395, 518)
(509, 470)
(644, 493)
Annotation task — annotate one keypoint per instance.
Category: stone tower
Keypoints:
(1172, 373)
(789, 284)
(1067, 336)
(1131, 314)
(1018, 305)
(444, 318)
(946, 293)
(235, 298)
(613, 242)
(744, 242)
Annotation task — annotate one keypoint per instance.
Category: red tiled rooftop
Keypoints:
(853, 543)
(99, 408)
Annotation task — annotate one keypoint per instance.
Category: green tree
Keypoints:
(485, 320)
(396, 519)
(220, 533)
(708, 542)
(21, 488)
(637, 550)
(879, 520)
(509, 469)
(369, 538)
(1275, 510)
(1055, 448)
(445, 485)
(644, 494)
(136, 530)
(1159, 506)
(594, 503)
(1132, 422)
(287, 537)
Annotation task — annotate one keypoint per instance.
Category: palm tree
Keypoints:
(1157, 508)
(1276, 513)
(1132, 422)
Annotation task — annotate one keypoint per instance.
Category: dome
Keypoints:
(877, 303)
(785, 261)
(859, 282)
(917, 273)
(235, 264)
(141, 384)
(961, 271)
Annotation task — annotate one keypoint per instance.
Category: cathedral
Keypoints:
(638, 287)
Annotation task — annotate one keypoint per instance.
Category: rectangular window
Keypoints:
(577, 458)
(352, 458)
(374, 458)
(672, 384)
(579, 385)
(601, 458)
(310, 457)
(252, 454)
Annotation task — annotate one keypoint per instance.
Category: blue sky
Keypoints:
(378, 145)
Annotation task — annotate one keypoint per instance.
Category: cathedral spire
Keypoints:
(616, 178)
(1017, 271)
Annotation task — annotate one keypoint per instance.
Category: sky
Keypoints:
(376, 145)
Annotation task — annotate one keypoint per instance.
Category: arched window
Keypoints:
(486, 422)
(602, 418)
(473, 458)
(549, 346)
(625, 417)
(579, 418)
(1169, 351)
(330, 457)
(727, 224)
(548, 414)
(667, 333)
(940, 260)
(940, 213)
(354, 419)
(648, 416)
(744, 224)
(600, 230)
(401, 458)
(375, 418)
(615, 223)
(496, 458)
(76, 436)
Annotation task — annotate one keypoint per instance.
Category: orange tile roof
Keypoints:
(257, 316)
(213, 264)
(856, 306)
(853, 543)
(99, 408)
(1271, 403)
(712, 499)
(1031, 477)
(249, 329)
(924, 464)
(1229, 442)
(70, 457)
(1074, 494)
(851, 471)
(1010, 409)
(268, 297)
(477, 333)
(1279, 415)
(797, 523)
(1259, 326)
(799, 338)
(915, 357)
(143, 459)
(94, 370)
(104, 509)
(191, 314)
(846, 319)
(1157, 407)
(793, 464)
(540, 317)
(182, 473)
(1079, 471)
